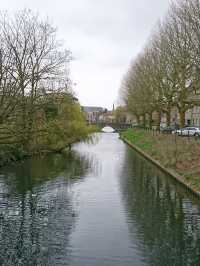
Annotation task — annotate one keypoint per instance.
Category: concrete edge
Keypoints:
(168, 171)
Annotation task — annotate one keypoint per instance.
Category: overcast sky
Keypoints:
(103, 35)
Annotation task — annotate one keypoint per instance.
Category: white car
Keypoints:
(188, 131)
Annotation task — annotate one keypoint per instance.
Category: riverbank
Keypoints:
(178, 156)
(15, 152)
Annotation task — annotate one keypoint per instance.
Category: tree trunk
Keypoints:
(159, 120)
(137, 119)
(168, 116)
(150, 120)
(144, 120)
(182, 117)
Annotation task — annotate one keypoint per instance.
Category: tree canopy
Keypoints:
(166, 73)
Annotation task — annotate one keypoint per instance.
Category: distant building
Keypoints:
(93, 113)
(193, 117)
(107, 117)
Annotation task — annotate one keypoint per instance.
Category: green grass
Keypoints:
(179, 154)
(139, 138)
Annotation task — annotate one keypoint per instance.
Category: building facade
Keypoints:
(93, 113)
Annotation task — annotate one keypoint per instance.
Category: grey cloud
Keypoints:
(103, 35)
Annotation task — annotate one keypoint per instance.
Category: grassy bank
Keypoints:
(181, 154)
(15, 152)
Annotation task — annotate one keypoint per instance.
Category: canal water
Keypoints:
(100, 205)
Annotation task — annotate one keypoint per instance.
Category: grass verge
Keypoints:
(180, 154)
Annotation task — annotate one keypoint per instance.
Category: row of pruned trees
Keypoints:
(34, 80)
(166, 74)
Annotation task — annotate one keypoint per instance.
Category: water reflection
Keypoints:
(165, 216)
(36, 209)
(100, 205)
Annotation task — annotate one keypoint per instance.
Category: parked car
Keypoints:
(167, 130)
(188, 131)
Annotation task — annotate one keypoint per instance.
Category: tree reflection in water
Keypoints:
(166, 216)
(36, 209)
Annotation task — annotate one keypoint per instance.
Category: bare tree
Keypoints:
(38, 65)
(166, 74)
